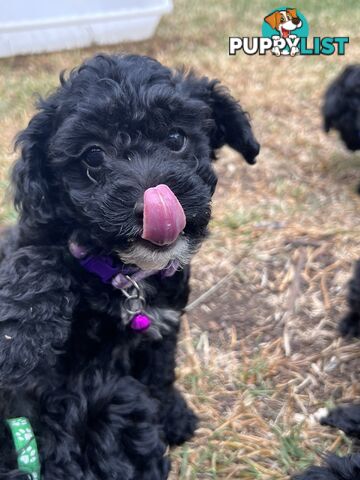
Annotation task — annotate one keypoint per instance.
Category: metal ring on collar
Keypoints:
(127, 305)
(133, 282)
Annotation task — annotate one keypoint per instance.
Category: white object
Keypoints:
(35, 26)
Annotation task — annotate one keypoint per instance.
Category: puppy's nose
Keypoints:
(296, 21)
(139, 209)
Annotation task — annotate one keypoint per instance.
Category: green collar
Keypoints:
(25, 446)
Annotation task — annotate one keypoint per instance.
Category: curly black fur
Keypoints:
(100, 397)
(341, 109)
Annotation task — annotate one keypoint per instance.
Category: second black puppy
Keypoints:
(113, 188)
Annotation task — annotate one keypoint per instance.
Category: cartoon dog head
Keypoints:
(285, 21)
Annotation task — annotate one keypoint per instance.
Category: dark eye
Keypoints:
(93, 157)
(176, 140)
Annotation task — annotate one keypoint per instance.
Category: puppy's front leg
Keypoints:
(345, 418)
(36, 305)
(155, 367)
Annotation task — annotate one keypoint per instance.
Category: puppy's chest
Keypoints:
(122, 309)
(99, 341)
(102, 333)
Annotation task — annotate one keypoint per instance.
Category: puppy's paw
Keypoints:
(180, 429)
(350, 325)
(180, 421)
(345, 418)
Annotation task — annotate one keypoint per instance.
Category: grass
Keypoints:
(260, 356)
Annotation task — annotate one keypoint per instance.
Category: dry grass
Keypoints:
(260, 355)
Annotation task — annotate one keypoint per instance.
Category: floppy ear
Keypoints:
(30, 172)
(273, 20)
(292, 12)
(231, 125)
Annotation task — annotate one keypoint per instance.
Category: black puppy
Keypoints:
(341, 111)
(113, 188)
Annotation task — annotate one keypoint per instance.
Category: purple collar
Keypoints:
(116, 273)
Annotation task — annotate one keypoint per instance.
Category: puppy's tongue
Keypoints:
(164, 218)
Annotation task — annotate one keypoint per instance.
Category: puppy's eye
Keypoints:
(93, 157)
(176, 140)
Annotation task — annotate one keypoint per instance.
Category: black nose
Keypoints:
(139, 209)
(296, 20)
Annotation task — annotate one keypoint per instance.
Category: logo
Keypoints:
(285, 27)
(285, 31)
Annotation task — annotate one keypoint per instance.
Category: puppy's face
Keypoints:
(121, 157)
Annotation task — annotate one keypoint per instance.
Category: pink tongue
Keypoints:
(164, 217)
